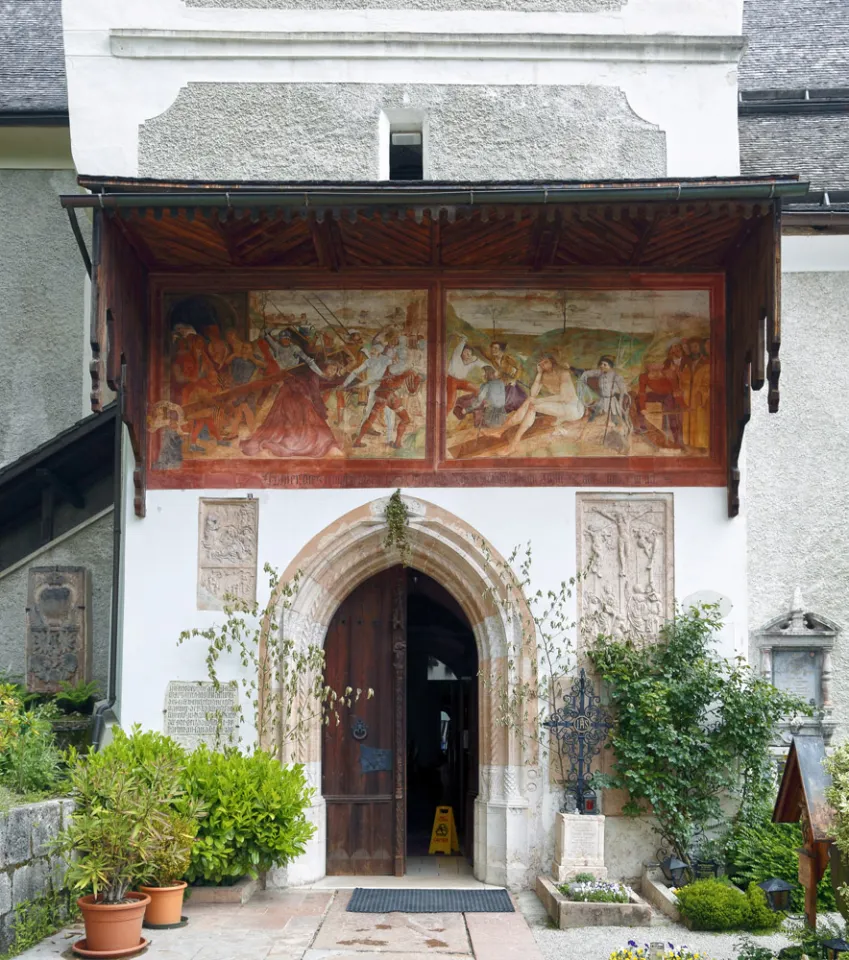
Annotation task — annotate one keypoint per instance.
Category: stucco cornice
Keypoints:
(194, 44)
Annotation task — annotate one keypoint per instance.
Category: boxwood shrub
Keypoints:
(719, 905)
(255, 814)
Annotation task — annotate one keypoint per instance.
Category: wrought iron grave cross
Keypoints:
(581, 726)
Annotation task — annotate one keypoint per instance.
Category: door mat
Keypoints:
(368, 900)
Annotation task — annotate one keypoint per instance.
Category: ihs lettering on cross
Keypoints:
(581, 727)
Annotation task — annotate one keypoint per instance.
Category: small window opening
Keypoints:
(406, 155)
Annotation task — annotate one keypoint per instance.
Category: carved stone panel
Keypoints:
(58, 627)
(227, 551)
(625, 553)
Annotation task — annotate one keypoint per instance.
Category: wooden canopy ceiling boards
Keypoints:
(542, 233)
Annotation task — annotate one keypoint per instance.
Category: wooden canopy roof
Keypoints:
(526, 229)
(803, 788)
(693, 225)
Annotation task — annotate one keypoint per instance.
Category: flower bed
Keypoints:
(596, 891)
(567, 913)
(647, 951)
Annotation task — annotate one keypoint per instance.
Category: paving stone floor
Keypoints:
(311, 923)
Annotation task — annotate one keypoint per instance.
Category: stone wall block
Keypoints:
(67, 808)
(22, 884)
(46, 824)
(5, 894)
(17, 845)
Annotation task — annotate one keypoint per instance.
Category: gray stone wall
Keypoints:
(41, 311)
(520, 6)
(91, 547)
(797, 469)
(331, 132)
(27, 869)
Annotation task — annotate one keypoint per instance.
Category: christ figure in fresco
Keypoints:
(296, 425)
(552, 394)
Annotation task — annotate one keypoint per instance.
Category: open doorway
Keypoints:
(442, 729)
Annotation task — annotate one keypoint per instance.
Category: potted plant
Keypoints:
(122, 819)
(77, 698)
(170, 862)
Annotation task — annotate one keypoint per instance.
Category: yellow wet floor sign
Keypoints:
(443, 839)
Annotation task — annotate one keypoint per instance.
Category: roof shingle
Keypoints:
(814, 146)
(32, 58)
(795, 44)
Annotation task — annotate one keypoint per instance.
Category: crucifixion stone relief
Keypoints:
(625, 553)
(227, 551)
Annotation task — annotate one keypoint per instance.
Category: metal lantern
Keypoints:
(674, 870)
(777, 893)
(588, 801)
(832, 949)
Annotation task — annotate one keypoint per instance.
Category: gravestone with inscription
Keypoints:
(197, 713)
(578, 847)
(796, 655)
(799, 672)
(58, 638)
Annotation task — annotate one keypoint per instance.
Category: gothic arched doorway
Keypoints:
(414, 746)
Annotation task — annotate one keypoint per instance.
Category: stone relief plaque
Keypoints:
(227, 551)
(58, 638)
(197, 713)
(625, 552)
(799, 672)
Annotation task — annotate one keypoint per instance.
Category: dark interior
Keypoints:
(442, 730)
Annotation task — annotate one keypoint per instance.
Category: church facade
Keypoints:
(501, 261)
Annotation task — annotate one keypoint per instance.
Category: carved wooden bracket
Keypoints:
(753, 329)
(119, 336)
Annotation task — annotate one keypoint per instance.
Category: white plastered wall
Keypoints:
(161, 585)
(674, 61)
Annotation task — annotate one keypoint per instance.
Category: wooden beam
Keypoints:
(66, 490)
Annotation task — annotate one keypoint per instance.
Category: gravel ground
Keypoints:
(597, 943)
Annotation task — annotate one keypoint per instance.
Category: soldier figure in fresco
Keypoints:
(397, 379)
(613, 399)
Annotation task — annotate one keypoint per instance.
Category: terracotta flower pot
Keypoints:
(113, 926)
(166, 904)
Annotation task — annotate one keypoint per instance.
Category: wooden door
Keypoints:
(363, 769)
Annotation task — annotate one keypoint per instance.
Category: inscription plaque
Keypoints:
(58, 638)
(197, 713)
(799, 672)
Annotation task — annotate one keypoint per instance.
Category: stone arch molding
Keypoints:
(347, 553)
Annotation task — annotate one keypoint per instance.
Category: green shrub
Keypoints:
(718, 905)
(129, 806)
(254, 814)
(30, 760)
(757, 849)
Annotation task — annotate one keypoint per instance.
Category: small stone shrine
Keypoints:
(196, 713)
(58, 637)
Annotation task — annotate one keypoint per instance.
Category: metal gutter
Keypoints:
(117, 533)
(34, 118)
(78, 235)
(240, 196)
